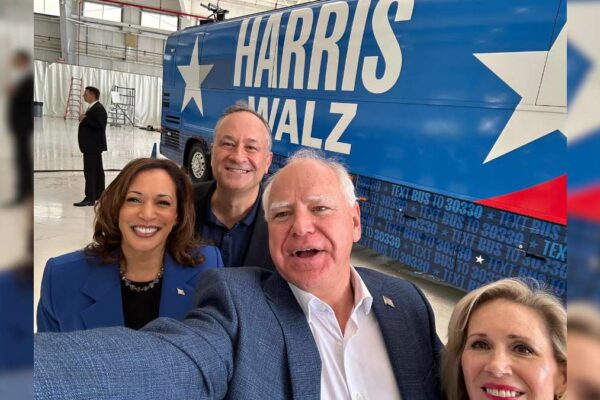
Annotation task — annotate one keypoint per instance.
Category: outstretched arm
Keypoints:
(167, 359)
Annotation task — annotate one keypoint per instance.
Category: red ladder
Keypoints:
(74, 100)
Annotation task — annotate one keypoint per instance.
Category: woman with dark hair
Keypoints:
(144, 262)
(506, 340)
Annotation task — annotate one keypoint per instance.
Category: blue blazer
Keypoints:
(79, 292)
(249, 339)
(16, 321)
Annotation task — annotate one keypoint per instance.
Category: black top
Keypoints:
(139, 308)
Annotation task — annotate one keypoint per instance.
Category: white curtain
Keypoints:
(52, 82)
(39, 73)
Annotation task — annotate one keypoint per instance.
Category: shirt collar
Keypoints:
(247, 220)
(92, 104)
(362, 297)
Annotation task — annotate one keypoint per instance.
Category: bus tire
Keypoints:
(198, 165)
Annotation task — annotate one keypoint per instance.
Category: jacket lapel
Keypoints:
(393, 321)
(178, 289)
(201, 200)
(258, 248)
(303, 357)
(103, 286)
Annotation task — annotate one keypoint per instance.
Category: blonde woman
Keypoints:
(506, 340)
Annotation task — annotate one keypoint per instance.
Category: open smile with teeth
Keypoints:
(145, 230)
(305, 253)
(238, 170)
(510, 394)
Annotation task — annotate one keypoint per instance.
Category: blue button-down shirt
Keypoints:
(233, 242)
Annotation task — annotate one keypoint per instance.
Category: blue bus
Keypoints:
(447, 113)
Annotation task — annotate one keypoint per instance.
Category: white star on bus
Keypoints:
(584, 118)
(539, 77)
(193, 75)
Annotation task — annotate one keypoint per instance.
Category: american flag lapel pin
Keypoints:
(388, 302)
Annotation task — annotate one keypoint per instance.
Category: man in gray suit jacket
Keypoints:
(318, 328)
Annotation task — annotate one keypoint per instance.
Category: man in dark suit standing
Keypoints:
(228, 211)
(20, 117)
(92, 142)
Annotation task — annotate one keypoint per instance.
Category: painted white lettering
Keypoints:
(248, 51)
(354, 44)
(388, 44)
(263, 108)
(288, 122)
(348, 112)
(295, 47)
(322, 44)
(307, 139)
(267, 56)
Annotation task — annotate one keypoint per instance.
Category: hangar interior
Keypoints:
(116, 44)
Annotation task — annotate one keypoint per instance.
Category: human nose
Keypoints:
(303, 223)
(237, 153)
(499, 364)
(147, 211)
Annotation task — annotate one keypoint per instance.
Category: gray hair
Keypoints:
(340, 171)
(242, 106)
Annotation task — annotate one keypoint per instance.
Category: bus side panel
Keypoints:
(417, 144)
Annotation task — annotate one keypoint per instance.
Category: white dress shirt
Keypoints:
(355, 364)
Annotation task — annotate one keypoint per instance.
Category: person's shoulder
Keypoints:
(202, 188)
(381, 279)
(71, 263)
(240, 277)
(209, 252)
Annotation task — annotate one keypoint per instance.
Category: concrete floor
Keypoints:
(59, 227)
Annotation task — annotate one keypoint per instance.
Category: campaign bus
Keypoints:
(448, 114)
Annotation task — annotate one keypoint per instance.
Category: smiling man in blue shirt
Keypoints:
(227, 209)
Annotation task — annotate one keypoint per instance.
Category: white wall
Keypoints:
(102, 44)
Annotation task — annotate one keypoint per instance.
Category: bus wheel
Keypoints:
(198, 165)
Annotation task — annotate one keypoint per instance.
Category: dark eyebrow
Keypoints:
(141, 194)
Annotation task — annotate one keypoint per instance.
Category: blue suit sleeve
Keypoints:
(167, 359)
(46, 320)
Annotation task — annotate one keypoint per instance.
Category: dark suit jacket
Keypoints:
(257, 254)
(249, 339)
(20, 107)
(16, 321)
(92, 130)
(78, 292)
